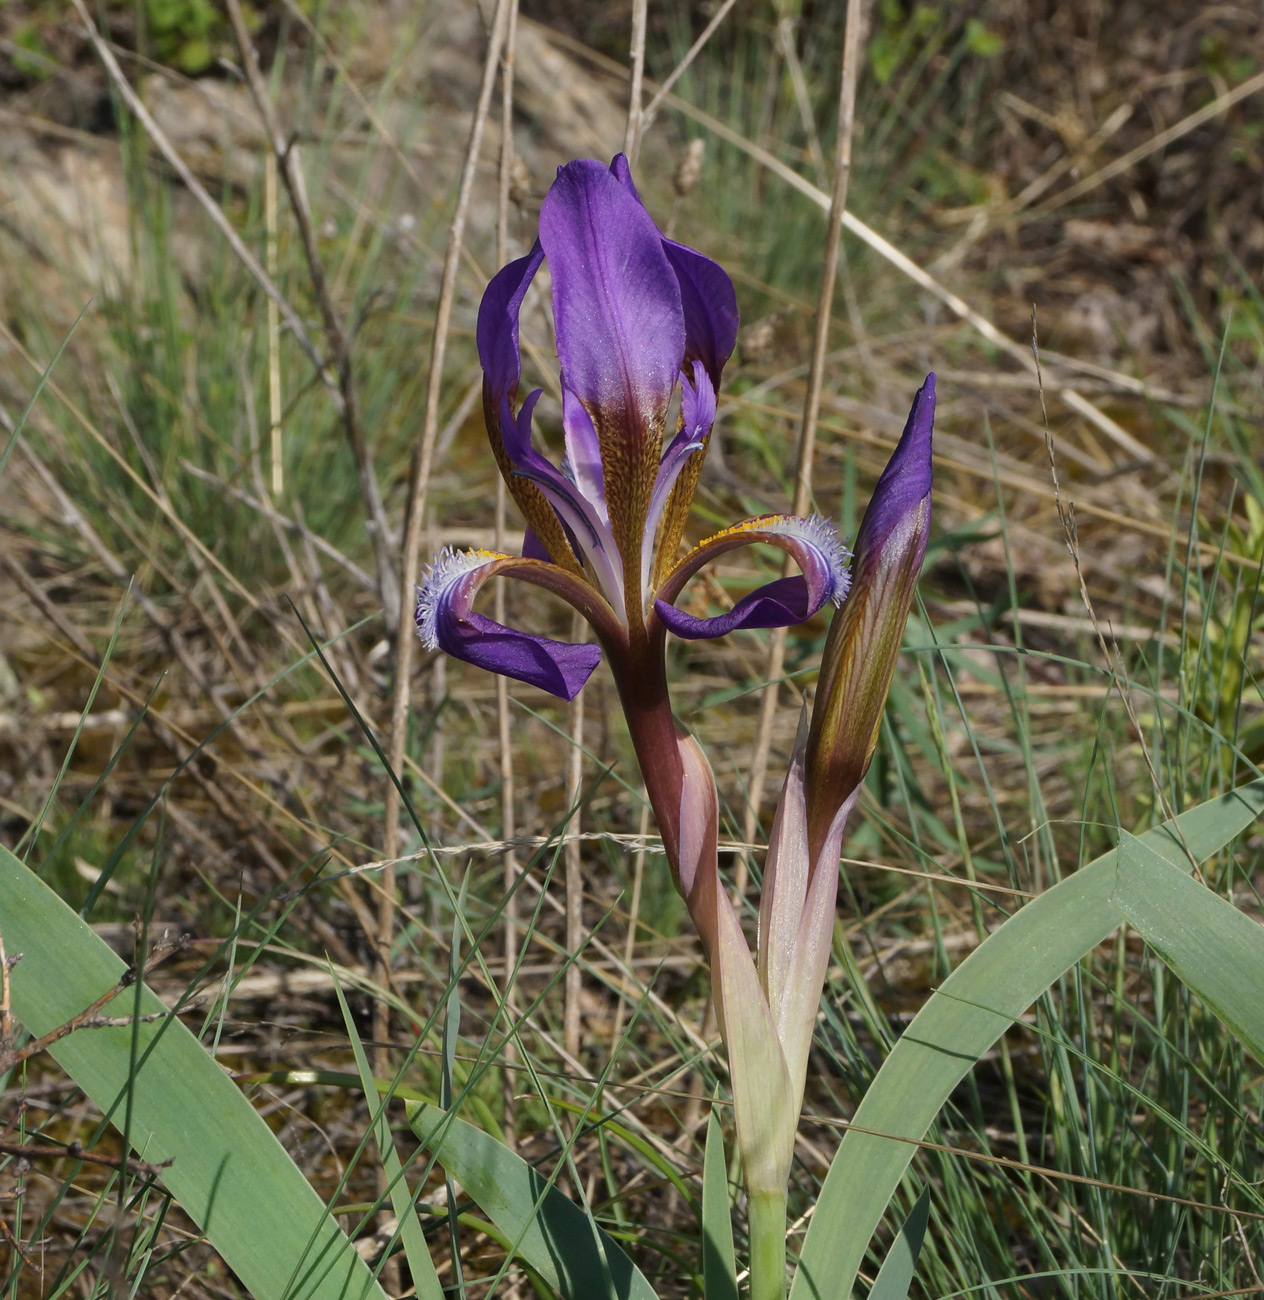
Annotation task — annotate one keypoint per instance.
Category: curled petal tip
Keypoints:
(446, 621)
(437, 580)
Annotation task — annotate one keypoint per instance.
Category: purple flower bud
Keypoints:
(864, 638)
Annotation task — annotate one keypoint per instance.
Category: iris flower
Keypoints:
(638, 319)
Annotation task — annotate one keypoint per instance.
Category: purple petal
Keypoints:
(584, 520)
(532, 547)
(621, 170)
(497, 332)
(697, 403)
(616, 302)
(815, 547)
(777, 604)
(697, 415)
(554, 666)
(583, 451)
(906, 480)
(446, 620)
(706, 294)
(710, 306)
(525, 462)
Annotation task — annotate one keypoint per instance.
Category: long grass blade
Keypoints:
(896, 1274)
(719, 1262)
(420, 1265)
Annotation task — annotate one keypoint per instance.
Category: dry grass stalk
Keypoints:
(571, 1012)
(632, 136)
(508, 814)
(419, 478)
(274, 326)
(812, 406)
(651, 109)
(286, 153)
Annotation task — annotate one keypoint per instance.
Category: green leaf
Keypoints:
(1213, 948)
(719, 1262)
(974, 1006)
(420, 1265)
(228, 1171)
(896, 1274)
(554, 1236)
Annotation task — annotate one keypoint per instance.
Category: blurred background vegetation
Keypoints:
(180, 519)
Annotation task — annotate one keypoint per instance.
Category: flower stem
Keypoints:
(766, 1212)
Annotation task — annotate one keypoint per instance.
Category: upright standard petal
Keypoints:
(864, 640)
(709, 304)
(706, 294)
(620, 333)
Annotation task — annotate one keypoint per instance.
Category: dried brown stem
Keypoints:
(287, 157)
(632, 136)
(89, 1018)
(419, 479)
(812, 403)
(6, 1015)
(509, 941)
(75, 1151)
(787, 38)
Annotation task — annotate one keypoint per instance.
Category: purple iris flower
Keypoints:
(637, 318)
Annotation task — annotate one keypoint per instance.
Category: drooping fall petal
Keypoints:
(446, 620)
(814, 545)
